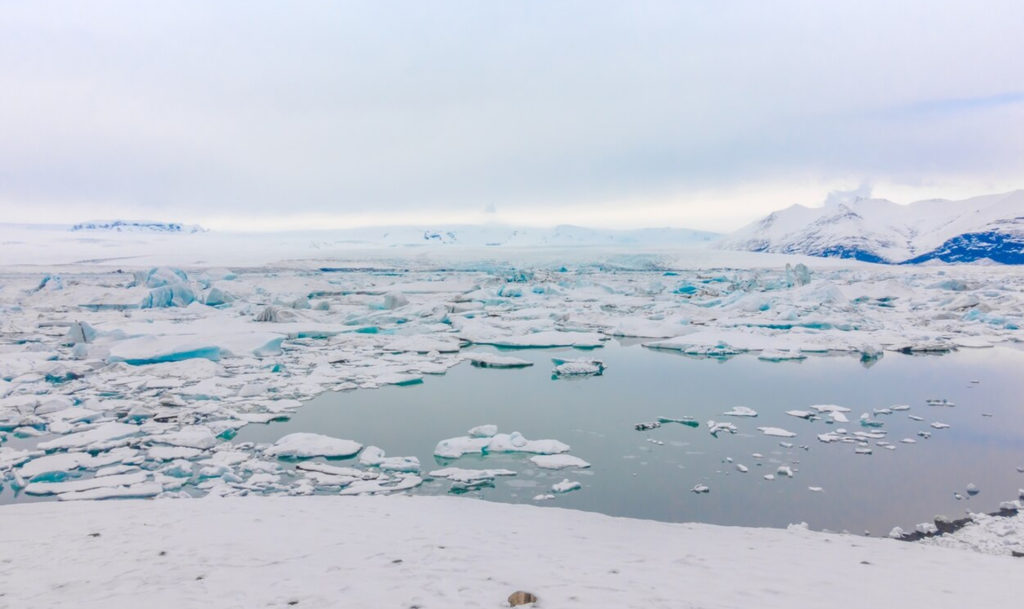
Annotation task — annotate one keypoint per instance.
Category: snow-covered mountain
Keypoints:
(130, 226)
(878, 230)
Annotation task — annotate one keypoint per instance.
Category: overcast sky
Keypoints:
(304, 114)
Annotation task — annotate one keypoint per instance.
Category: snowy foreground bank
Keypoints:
(449, 552)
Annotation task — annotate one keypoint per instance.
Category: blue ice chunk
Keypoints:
(174, 295)
(216, 297)
(164, 275)
(210, 353)
(53, 282)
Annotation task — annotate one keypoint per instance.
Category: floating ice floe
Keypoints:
(775, 355)
(577, 367)
(566, 486)
(470, 476)
(740, 411)
(453, 448)
(558, 462)
(374, 456)
(939, 425)
(382, 485)
(490, 360)
(777, 432)
(542, 340)
(700, 489)
(647, 426)
(715, 428)
(304, 445)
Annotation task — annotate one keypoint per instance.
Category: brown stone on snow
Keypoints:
(521, 598)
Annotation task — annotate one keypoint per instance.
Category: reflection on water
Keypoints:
(632, 476)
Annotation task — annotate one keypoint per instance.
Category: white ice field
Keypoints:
(128, 362)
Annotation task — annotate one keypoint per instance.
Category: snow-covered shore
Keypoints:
(454, 552)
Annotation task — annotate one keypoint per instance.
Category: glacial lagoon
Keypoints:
(651, 474)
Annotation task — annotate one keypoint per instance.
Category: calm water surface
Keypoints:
(631, 476)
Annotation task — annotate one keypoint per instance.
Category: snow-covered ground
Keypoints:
(448, 552)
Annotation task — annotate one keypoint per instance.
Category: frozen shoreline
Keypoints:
(447, 552)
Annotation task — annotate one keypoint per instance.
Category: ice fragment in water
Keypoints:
(700, 488)
(740, 411)
(777, 432)
(469, 476)
(305, 445)
(490, 360)
(577, 367)
(715, 428)
(867, 421)
(499, 443)
(801, 414)
(688, 421)
(565, 486)
(558, 461)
